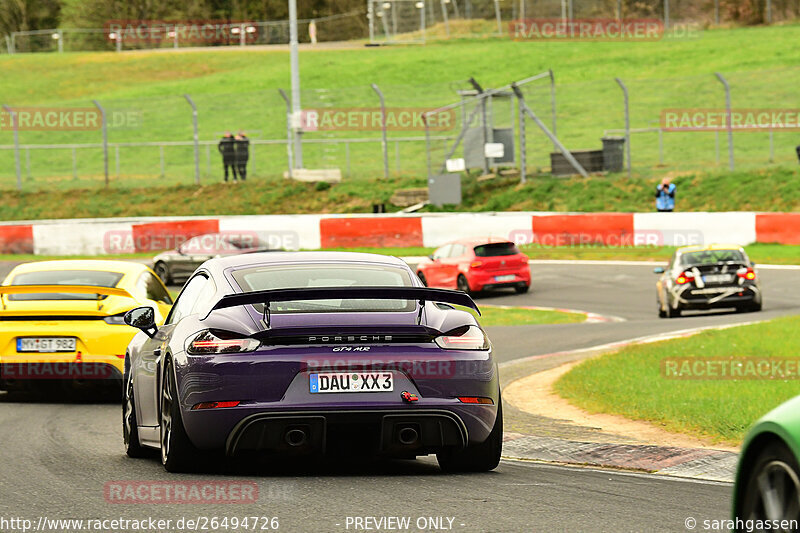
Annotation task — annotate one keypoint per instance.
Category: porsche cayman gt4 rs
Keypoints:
(63, 320)
(313, 353)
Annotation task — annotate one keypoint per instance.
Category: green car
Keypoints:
(768, 476)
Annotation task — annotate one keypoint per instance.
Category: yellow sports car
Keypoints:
(62, 320)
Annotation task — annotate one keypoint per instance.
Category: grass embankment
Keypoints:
(776, 189)
(238, 89)
(632, 382)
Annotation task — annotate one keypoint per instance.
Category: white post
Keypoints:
(295, 75)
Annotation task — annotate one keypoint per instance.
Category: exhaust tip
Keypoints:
(408, 436)
(296, 437)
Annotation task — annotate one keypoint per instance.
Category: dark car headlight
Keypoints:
(214, 342)
(464, 338)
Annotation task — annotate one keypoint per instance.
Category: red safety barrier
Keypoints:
(781, 228)
(16, 239)
(157, 236)
(375, 232)
(609, 229)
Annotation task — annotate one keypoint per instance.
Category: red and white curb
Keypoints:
(590, 317)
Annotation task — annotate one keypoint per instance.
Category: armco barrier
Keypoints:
(91, 236)
(611, 229)
(16, 239)
(373, 232)
(778, 227)
(157, 236)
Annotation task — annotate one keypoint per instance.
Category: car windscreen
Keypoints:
(706, 257)
(496, 249)
(92, 278)
(326, 275)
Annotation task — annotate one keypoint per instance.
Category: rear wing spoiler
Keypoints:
(422, 294)
(59, 289)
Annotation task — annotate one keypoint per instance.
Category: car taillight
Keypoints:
(476, 264)
(470, 338)
(214, 405)
(684, 277)
(206, 343)
(117, 320)
(746, 273)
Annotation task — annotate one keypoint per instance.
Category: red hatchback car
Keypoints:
(476, 265)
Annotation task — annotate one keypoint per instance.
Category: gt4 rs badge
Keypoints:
(351, 349)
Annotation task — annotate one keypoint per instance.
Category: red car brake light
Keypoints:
(684, 277)
(748, 274)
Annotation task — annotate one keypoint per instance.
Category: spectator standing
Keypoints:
(242, 154)
(312, 31)
(665, 195)
(227, 148)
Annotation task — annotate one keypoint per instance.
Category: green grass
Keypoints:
(631, 383)
(774, 189)
(774, 254)
(520, 316)
(238, 89)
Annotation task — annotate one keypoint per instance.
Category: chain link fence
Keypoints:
(399, 21)
(150, 141)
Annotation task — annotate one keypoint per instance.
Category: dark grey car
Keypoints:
(179, 264)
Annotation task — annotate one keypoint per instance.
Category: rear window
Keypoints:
(326, 275)
(92, 278)
(713, 256)
(496, 249)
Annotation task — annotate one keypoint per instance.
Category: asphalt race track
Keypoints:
(58, 454)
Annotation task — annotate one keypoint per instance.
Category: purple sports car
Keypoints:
(312, 353)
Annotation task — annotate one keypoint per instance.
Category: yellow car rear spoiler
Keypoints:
(59, 289)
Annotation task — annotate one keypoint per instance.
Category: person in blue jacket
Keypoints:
(665, 195)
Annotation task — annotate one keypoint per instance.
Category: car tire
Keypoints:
(162, 271)
(178, 454)
(130, 429)
(661, 312)
(775, 469)
(522, 289)
(755, 307)
(462, 284)
(481, 457)
(672, 312)
(421, 277)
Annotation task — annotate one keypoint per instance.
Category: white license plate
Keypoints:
(46, 344)
(717, 278)
(509, 277)
(351, 382)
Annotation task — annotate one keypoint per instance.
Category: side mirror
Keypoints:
(752, 263)
(143, 318)
(179, 249)
(431, 257)
(658, 270)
